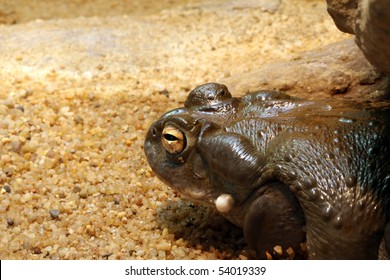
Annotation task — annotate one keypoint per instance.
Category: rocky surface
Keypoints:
(79, 85)
(370, 22)
(338, 70)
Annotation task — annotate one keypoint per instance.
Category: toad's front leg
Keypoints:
(274, 218)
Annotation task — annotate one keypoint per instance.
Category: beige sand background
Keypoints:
(80, 82)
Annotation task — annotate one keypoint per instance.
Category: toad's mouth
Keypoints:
(198, 194)
(223, 202)
(195, 193)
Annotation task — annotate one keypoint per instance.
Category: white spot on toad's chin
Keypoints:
(224, 203)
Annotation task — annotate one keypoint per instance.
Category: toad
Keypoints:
(285, 169)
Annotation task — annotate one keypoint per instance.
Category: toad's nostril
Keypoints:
(154, 132)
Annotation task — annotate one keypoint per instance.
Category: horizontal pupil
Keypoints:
(170, 137)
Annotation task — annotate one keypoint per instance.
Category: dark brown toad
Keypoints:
(287, 170)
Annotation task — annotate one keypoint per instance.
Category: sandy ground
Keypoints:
(79, 85)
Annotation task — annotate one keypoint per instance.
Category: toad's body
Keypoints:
(285, 169)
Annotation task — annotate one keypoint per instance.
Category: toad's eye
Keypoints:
(173, 139)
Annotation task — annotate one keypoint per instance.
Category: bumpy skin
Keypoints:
(296, 169)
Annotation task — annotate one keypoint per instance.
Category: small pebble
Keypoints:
(7, 188)
(121, 215)
(9, 103)
(117, 200)
(10, 221)
(268, 255)
(290, 252)
(278, 250)
(20, 107)
(8, 172)
(54, 213)
(106, 255)
(163, 246)
(83, 195)
(90, 230)
(164, 92)
(179, 253)
(78, 120)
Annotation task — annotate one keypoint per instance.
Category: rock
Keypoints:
(373, 33)
(54, 213)
(10, 222)
(343, 13)
(370, 22)
(337, 69)
(7, 188)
